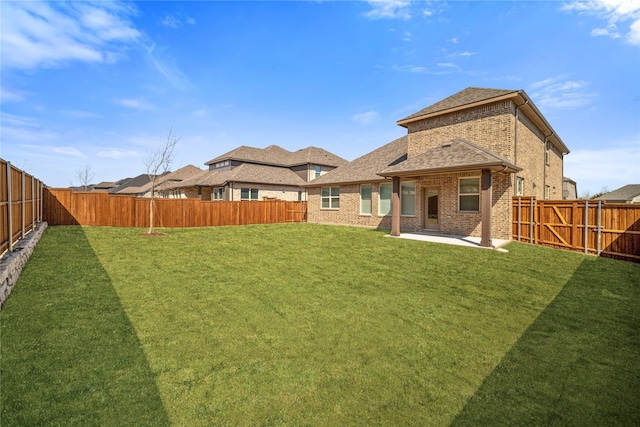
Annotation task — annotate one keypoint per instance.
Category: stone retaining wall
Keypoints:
(12, 263)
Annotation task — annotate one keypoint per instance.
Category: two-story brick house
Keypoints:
(456, 170)
(250, 173)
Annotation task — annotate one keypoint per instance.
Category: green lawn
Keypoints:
(302, 324)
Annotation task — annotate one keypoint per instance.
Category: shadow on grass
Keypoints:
(577, 364)
(70, 355)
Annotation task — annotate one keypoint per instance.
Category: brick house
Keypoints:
(456, 170)
(249, 173)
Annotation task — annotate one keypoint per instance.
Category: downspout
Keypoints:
(515, 138)
(544, 174)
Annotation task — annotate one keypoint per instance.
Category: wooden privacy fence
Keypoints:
(21, 205)
(64, 207)
(589, 226)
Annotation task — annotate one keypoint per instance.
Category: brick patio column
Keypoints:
(395, 207)
(486, 208)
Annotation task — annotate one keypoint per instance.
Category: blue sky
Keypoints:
(101, 84)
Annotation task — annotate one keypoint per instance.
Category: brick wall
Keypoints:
(269, 191)
(492, 126)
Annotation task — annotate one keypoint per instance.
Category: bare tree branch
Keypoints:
(158, 163)
(85, 175)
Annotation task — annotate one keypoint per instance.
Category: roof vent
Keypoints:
(447, 145)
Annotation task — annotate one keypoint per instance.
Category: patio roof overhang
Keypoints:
(414, 173)
(454, 156)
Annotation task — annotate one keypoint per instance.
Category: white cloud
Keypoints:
(171, 21)
(168, 68)
(427, 12)
(615, 12)
(611, 167)
(135, 103)
(200, 113)
(389, 9)
(70, 151)
(190, 21)
(557, 93)
(366, 118)
(454, 40)
(48, 34)
(10, 95)
(118, 154)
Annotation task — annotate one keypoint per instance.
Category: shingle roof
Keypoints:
(626, 193)
(366, 168)
(164, 182)
(247, 172)
(278, 156)
(457, 154)
(467, 96)
(131, 185)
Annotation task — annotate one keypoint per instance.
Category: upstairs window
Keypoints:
(330, 198)
(519, 186)
(318, 170)
(547, 147)
(469, 195)
(248, 194)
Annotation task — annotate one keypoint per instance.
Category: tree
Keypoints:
(85, 175)
(158, 163)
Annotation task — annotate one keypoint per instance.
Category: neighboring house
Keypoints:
(628, 194)
(164, 185)
(131, 186)
(271, 173)
(456, 170)
(569, 189)
(105, 186)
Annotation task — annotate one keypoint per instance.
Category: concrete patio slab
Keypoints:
(449, 239)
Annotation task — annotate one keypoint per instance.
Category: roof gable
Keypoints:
(627, 193)
(468, 96)
(278, 156)
(457, 154)
(248, 173)
(366, 168)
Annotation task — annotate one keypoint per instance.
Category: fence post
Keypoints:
(22, 210)
(9, 207)
(33, 203)
(586, 226)
(531, 219)
(519, 214)
(599, 227)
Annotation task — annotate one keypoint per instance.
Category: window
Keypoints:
(469, 194)
(546, 152)
(216, 194)
(222, 164)
(330, 198)
(365, 199)
(547, 192)
(384, 202)
(318, 171)
(519, 186)
(248, 194)
(408, 198)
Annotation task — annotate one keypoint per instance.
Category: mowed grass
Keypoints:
(302, 324)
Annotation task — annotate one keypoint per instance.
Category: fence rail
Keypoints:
(589, 226)
(64, 207)
(21, 205)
